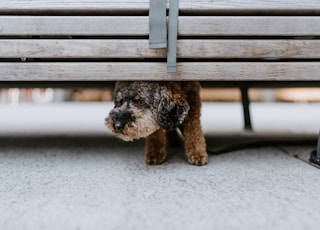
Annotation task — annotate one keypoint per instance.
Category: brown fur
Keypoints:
(150, 109)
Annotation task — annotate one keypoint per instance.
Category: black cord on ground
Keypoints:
(256, 144)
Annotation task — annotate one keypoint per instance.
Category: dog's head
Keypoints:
(141, 108)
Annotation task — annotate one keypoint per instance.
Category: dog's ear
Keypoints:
(171, 113)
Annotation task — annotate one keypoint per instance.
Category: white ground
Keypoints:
(93, 181)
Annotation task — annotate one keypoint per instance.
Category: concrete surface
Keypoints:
(97, 182)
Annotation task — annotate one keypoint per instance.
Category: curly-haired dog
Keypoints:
(145, 109)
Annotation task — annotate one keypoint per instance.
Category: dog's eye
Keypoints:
(120, 102)
(140, 102)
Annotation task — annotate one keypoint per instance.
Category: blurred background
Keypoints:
(50, 95)
(81, 111)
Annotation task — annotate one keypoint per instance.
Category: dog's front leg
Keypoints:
(194, 141)
(155, 150)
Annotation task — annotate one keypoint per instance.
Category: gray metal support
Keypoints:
(157, 24)
(246, 109)
(172, 36)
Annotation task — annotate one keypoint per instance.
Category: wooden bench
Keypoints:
(104, 40)
(45, 41)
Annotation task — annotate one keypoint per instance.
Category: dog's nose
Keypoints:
(118, 126)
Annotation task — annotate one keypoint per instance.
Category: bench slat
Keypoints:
(213, 6)
(77, 25)
(213, 49)
(202, 71)
(138, 26)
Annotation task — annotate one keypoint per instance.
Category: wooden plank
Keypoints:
(139, 26)
(78, 48)
(204, 71)
(249, 26)
(96, 26)
(191, 6)
(249, 49)
(132, 48)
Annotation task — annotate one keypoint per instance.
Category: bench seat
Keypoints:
(104, 40)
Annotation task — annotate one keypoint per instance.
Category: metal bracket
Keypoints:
(157, 24)
(172, 36)
(159, 37)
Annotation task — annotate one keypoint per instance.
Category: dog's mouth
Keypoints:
(118, 121)
(121, 129)
(132, 131)
(130, 126)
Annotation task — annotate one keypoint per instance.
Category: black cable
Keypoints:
(256, 144)
(235, 147)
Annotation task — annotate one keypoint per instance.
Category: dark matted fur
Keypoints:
(145, 109)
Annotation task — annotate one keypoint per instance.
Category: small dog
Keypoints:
(146, 109)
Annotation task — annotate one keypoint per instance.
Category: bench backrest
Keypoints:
(102, 40)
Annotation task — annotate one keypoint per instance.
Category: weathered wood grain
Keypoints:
(249, 26)
(78, 25)
(191, 6)
(138, 26)
(204, 71)
(302, 19)
(134, 48)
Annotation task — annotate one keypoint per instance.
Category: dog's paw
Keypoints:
(154, 159)
(198, 159)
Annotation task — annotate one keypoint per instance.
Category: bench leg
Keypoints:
(315, 154)
(246, 109)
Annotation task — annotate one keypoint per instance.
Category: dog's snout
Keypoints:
(121, 119)
(118, 126)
